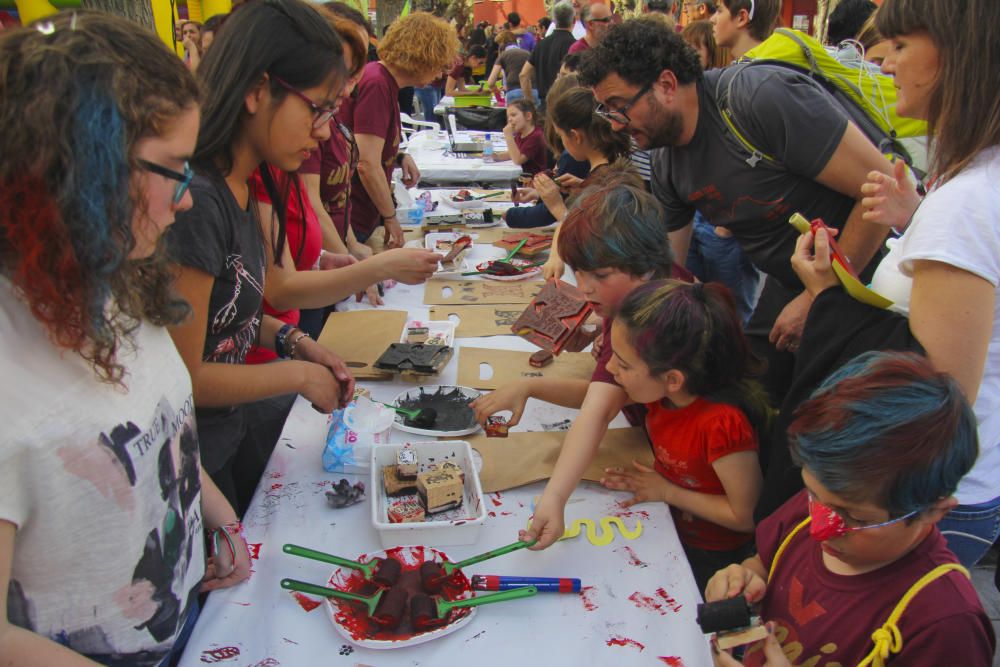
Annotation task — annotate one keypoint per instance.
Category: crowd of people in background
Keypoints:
(175, 230)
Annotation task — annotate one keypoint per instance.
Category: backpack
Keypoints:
(868, 98)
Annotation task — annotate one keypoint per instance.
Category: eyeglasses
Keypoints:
(827, 523)
(606, 19)
(183, 179)
(620, 115)
(321, 115)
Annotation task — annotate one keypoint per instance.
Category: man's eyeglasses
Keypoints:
(620, 115)
(321, 115)
(606, 19)
(183, 179)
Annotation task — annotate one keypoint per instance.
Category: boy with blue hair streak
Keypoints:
(853, 570)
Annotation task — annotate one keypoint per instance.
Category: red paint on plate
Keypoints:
(672, 660)
(360, 626)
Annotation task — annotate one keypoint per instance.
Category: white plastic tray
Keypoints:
(458, 526)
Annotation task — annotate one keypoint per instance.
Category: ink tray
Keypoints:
(456, 526)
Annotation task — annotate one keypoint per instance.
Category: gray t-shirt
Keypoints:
(511, 61)
(783, 114)
(219, 237)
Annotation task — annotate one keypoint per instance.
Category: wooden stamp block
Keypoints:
(440, 490)
(394, 484)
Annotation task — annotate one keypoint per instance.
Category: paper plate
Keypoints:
(466, 205)
(343, 617)
(415, 392)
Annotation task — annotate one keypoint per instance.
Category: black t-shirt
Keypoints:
(547, 57)
(782, 113)
(224, 240)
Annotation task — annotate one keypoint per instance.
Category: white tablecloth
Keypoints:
(638, 607)
(437, 165)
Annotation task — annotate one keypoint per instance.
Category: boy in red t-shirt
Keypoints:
(882, 445)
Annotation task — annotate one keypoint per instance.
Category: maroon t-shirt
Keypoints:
(374, 111)
(828, 618)
(335, 162)
(457, 72)
(579, 45)
(533, 148)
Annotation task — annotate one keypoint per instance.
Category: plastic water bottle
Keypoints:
(488, 149)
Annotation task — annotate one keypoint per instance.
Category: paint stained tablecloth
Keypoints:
(637, 606)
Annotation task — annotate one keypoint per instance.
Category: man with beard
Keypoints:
(649, 83)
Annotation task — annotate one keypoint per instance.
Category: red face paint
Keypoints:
(826, 523)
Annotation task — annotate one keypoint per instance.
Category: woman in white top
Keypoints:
(103, 499)
(944, 272)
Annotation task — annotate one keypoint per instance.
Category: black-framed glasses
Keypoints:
(620, 115)
(606, 19)
(321, 115)
(183, 179)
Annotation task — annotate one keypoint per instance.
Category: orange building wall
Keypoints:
(495, 13)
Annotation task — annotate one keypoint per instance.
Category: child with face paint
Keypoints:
(882, 445)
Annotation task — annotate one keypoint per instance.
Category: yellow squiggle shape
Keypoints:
(607, 534)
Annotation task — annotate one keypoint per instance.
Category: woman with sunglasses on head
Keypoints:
(266, 106)
(414, 52)
(104, 498)
(943, 273)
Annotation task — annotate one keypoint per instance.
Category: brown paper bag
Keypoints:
(457, 292)
(523, 458)
(510, 365)
(361, 336)
(476, 321)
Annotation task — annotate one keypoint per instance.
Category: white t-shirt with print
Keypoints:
(103, 485)
(958, 224)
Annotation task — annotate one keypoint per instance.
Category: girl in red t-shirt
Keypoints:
(679, 349)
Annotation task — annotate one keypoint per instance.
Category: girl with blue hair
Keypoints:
(104, 498)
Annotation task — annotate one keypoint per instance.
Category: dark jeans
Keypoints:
(778, 377)
(971, 530)
(714, 258)
(238, 477)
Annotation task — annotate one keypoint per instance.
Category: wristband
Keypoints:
(280, 338)
(399, 159)
(223, 535)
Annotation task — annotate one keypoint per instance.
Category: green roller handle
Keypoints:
(444, 606)
(450, 568)
(515, 250)
(323, 591)
(295, 550)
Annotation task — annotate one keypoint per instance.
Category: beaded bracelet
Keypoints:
(224, 532)
(293, 345)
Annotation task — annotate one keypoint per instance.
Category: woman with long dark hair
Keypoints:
(271, 79)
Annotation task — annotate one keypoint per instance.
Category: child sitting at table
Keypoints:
(882, 445)
(525, 142)
(537, 215)
(585, 136)
(614, 241)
